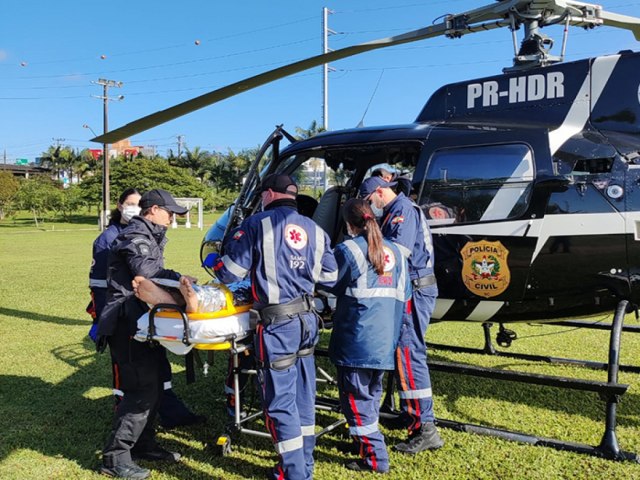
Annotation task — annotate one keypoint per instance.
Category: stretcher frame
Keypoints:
(233, 343)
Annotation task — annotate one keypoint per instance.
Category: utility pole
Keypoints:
(180, 137)
(326, 31)
(104, 217)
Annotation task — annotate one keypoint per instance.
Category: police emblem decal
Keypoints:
(389, 259)
(485, 270)
(295, 236)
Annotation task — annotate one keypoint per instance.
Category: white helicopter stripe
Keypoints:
(485, 310)
(572, 224)
(442, 307)
(481, 313)
(578, 114)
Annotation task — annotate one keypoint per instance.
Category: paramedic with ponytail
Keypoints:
(402, 222)
(372, 292)
(285, 255)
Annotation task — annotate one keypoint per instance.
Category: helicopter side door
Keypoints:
(478, 199)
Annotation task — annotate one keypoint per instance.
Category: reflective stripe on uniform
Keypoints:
(233, 267)
(269, 254)
(289, 445)
(413, 394)
(403, 250)
(361, 262)
(428, 241)
(317, 254)
(326, 277)
(376, 292)
(308, 430)
(97, 283)
(364, 429)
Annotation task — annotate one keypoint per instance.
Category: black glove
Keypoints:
(101, 343)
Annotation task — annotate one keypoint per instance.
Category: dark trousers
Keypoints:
(139, 369)
(360, 392)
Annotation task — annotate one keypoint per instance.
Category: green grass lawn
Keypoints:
(55, 402)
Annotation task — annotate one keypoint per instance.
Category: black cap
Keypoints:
(163, 199)
(279, 183)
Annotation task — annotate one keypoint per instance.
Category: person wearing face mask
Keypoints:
(172, 412)
(403, 222)
(138, 250)
(285, 255)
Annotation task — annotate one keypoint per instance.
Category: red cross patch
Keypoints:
(389, 259)
(295, 236)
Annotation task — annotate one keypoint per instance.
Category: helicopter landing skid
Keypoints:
(489, 348)
(610, 391)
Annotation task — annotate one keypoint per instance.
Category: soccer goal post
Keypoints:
(190, 203)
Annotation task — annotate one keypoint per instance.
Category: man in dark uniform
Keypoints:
(138, 250)
(403, 222)
(285, 255)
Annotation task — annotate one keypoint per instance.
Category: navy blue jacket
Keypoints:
(138, 250)
(99, 263)
(370, 307)
(404, 224)
(284, 253)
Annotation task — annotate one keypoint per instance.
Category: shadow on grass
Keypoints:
(556, 402)
(62, 420)
(40, 317)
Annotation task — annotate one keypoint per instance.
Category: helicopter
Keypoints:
(529, 179)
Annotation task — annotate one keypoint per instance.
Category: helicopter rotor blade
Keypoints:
(495, 15)
(446, 27)
(621, 21)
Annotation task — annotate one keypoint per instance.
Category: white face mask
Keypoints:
(377, 211)
(129, 211)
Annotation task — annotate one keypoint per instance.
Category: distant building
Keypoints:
(24, 170)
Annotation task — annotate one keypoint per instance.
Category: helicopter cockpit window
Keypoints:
(477, 184)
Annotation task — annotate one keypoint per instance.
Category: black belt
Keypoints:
(275, 313)
(425, 281)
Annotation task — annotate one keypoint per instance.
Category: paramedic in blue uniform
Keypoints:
(137, 251)
(172, 411)
(403, 222)
(285, 255)
(372, 293)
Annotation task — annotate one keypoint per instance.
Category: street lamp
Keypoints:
(104, 218)
(87, 126)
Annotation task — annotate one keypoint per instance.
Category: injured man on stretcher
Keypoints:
(216, 312)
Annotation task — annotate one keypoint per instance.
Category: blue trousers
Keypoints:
(360, 393)
(414, 383)
(288, 392)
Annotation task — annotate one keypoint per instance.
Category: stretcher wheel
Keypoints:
(222, 446)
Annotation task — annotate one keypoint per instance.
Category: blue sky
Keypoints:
(168, 52)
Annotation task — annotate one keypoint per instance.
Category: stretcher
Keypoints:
(228, 329)
(179, 332)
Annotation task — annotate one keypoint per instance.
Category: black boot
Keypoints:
(425, 438)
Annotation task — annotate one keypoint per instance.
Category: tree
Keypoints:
(39, 195)
(145, 174)
(9, 187)
(312, 131)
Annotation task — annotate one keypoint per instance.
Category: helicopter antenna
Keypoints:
(361, 122)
